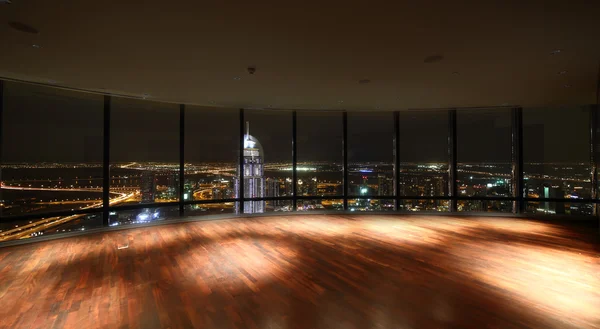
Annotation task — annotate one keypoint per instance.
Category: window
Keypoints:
(211, 157)
(424, 205)
(556, 156)
(367, 204)
(424, 154)
(319, 140)
(484, 158)
(320, 204)
(370, 157)
(52, 152)
(267, 159)
(205, 209)
(144, 152)
(142, 216)
(51, 160)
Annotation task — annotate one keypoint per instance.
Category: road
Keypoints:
(37, 227)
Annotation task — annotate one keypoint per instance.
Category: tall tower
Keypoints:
(148, 186)
(253, 176)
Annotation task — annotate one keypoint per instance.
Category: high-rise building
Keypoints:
(272, 187)
(553, 192)
(253, 175)
(385, 185)
(148, 186)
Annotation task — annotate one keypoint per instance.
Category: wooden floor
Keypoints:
(317, 271)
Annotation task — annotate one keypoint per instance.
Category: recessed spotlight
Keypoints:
(555, 52)
(36, 46)
(567, 86)
(562, 72)
(364, 81)
(433, 59)
(340, 101)
(237, 78)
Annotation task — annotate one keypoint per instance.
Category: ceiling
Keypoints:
(311, 54)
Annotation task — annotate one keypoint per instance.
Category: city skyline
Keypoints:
(52, 160)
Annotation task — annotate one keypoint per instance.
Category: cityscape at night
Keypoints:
(55, 185)
(48, 187)
(299, 165)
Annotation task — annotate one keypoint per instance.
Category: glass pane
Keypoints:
(371, 153)
(144, 151)
(278, 205)
(267, 156)
(424, 205)
(211, 153)
(370, 205)
(423, 153)
(209, 209)
(142, 216)
(484, 205)
(559, 208)
(32, 228)
(319, 137)
(317, 204)
(52, 152)
(484, 153)
(556, 152)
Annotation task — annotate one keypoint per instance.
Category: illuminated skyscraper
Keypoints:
(148, 186)
(254, 176)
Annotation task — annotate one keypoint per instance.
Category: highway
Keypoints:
(19, 188)
(31, 229)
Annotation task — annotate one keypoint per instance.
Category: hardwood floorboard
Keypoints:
(313, 271)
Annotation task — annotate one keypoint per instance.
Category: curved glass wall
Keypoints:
(319, 169)
(74, 161)
(423, 159)
(266, 161)
(484, 156)
(211, 151)
(557, 160)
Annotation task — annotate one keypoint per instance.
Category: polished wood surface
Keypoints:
(311, 271)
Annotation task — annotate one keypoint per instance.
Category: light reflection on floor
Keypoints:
(316, 271)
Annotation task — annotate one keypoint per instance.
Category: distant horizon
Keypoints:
(12, 163)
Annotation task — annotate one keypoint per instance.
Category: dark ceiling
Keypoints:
(309, 54)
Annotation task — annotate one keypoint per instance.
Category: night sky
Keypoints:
(47, 125)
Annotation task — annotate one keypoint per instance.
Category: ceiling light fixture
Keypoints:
(562, 72)
(237, 78)
(22, 27)
(567, 86)
(340, 101)
(433, 59)
(555, 52)
(36, 46)
(455, 73)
